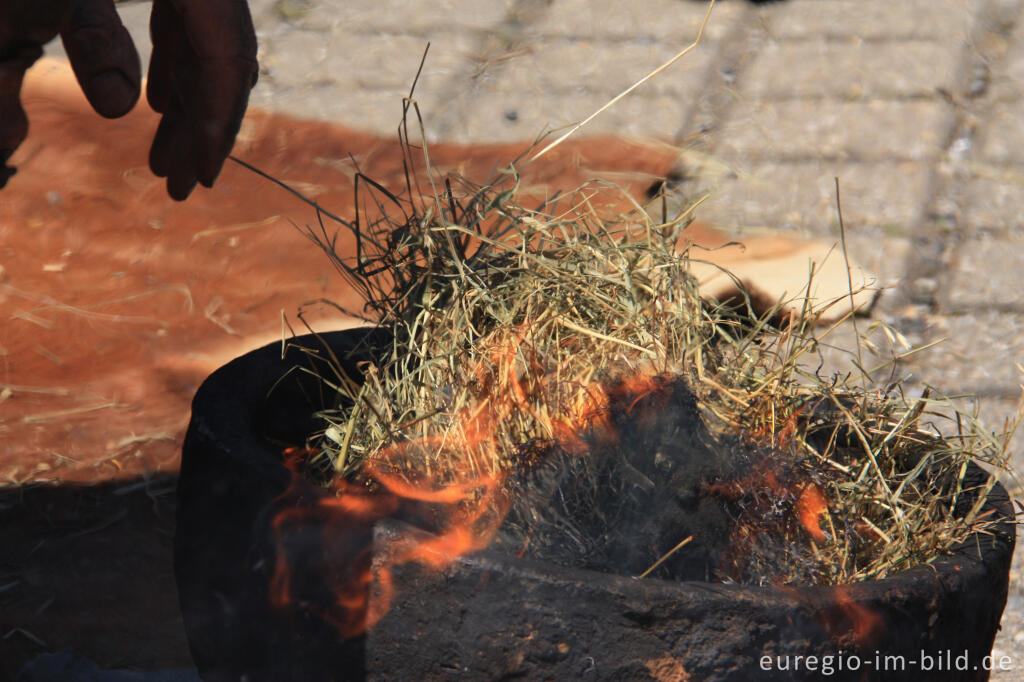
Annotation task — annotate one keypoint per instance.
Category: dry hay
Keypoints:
(518, 331)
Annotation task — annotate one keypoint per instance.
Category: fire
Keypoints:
(450, 510)
(810, 507)
(445, 491)
(776, 505)
(865, 625)
(849, 622)
(448, 515)
(355, 566)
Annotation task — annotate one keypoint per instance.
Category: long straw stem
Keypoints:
(631, 88)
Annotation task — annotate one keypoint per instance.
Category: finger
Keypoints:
(172, 156)
(161, 156)
(170, 91)
(180, 185)
(217, 29)
(103, 57)
(224, 95)
(221, 36)
(6, 173)
(169, 56)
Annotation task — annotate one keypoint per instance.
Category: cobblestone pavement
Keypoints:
(916, 106)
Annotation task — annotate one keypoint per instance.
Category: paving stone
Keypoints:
(669, 20)
(375, 111)
(1008, 76)
(997, 415)
(555, 82)
(977, 354)
(1010, 638)
(800, 196)
(994, 200)
(504, 114)
(374, 63)
(345, 82)
(988, 272)
(881, 254)
(945, 20)
(382, 62)
(557, 67)
(851, 70)
(336, 17)
(549, 81)
(800, 129)
(1004, 133)
(1007, 84)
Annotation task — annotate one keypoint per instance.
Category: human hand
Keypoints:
(99, 47)
(202, 69)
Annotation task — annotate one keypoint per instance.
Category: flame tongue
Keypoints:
(329, 535)
(583, 510)
(634, 496)
(811, 506)
(618, 482)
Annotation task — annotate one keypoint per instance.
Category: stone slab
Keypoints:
(851, 69)
(993, 200)
(801, 196)
(332, 18)
(912, 130)
(946, 20)
(360, 83)
(976, 356)
(987, 273)
(1003, 133)
(555, 68)
(666, 20)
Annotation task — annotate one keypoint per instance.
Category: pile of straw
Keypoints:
(509, 322)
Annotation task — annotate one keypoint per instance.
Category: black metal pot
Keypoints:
(492, 616)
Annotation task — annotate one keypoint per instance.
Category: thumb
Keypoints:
(103, 57)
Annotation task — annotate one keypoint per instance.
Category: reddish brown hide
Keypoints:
(116, 301)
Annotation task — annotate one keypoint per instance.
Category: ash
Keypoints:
(640, 490)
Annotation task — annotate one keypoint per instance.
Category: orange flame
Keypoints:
(354, 565)
(444, 486)
(810, 507)
(773, 505)
(450, 492)
(858, 622)
(847, 621)
(452, 504)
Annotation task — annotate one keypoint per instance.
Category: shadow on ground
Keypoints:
(90, 568)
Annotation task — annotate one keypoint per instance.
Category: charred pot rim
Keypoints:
(231, 474)
(243, 416)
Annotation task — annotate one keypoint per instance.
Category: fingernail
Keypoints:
(112, 94)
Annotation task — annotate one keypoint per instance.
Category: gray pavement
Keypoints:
(916, 106)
